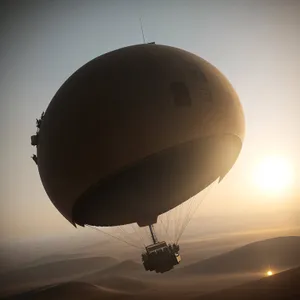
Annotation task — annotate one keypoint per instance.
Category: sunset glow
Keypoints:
(274, 174)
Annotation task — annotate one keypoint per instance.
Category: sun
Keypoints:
(274, 174)
(269, 273)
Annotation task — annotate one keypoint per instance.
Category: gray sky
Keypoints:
(254, 43)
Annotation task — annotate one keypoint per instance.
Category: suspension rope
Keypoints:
(187, 218)
(188, 221)
(192, 214)
(164, 227)
(128, 235)
(98, 229)
(139, 234)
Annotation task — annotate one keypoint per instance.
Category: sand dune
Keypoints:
(54, 258)
(124, 267)
(127, 269)
(51, 273)
(74, 291)
(285, 285)
(125, 276)
(279, 253)
(107, 278)
(123, 283)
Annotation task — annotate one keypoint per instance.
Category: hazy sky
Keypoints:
(256, 44)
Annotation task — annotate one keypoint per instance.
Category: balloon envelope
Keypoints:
(136, 132)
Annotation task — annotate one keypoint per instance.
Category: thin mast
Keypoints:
(154, 238)
(142, 31)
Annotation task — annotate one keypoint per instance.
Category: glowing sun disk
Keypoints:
(274, 174)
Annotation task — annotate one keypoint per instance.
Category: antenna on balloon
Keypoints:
(142, 31)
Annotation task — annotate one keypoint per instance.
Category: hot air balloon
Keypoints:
(136, 132)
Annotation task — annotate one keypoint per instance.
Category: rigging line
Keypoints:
(166, 221)
(186, 208)
(144, 235)
(162, 229)
(205, 195)
(136, 234)
(126, 234)
(163, 226)
(181, 215)
(168, 224)
(189, 207)
(167, 217)
(116, 237)
(157, 229)
(123, 235)
(98, 229)
(174, 219)
(191, 214)
(120, 231)
(182, 209)
(140, 234)
(177, 223)
(178, 220)
(192, 208)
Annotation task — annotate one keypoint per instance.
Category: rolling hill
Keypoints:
(284, 285)
(71, 290)
(54, 272)
(125, 268)
(112, 278)
(278, 253)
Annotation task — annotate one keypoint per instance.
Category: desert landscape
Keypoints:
(239, 273)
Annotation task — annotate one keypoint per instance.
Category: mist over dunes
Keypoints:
(111, 278)
(278, 253)
(284, 285)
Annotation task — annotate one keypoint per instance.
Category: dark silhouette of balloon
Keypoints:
(136, 132)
